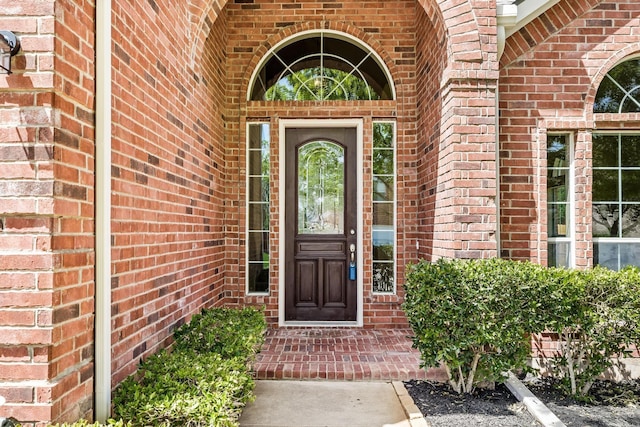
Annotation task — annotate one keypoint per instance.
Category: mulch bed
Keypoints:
(612, 405)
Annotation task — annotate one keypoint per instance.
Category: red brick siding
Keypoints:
(549, 76)
(431, 61)
(168, 176)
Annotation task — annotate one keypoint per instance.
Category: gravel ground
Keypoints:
(613, 406)
(444, 408)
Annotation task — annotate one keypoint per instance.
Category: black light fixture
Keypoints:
(9, 46)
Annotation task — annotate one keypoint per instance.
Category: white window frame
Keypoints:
(570, 235)
(615, 240)
(395, 208)
(248, 231)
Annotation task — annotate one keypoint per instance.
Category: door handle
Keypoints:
(352, 262)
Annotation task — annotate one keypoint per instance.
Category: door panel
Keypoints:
(320, 213)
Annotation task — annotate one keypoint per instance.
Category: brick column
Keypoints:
(466, 223)
(46, 214)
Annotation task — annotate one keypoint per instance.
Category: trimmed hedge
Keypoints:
(474, 317)
(596, 314)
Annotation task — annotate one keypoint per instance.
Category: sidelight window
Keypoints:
(384, 207)
(559, 197)
(258, 208)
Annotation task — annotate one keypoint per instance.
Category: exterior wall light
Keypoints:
(9, 46)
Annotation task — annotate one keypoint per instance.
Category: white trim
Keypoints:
(529, 10)
(102, 323)
(571, 229)
(308, 34)
(395, 208)
(247, 230)
(309, 123)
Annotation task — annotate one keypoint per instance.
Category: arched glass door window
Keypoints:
(318, 67)
(619, 92)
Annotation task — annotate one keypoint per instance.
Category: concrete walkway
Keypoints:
(330, 404)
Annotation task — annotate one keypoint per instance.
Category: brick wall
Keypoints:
(169, 176)
(46, 220)
(550, 72)
(258, 25)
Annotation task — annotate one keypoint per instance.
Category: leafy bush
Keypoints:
(474, 316)
(204, 381)
(186, 389)
(226, 331)
(597, 317)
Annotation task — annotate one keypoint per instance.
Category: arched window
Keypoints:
(619, 92)
(615, 194)
(318, 67)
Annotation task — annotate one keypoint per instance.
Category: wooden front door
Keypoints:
(320, 231)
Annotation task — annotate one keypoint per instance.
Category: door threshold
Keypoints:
(350, 324)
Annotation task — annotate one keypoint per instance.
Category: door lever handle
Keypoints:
(352, 263)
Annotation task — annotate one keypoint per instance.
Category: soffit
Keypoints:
(528, 10)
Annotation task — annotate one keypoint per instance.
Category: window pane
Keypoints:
(619, 87)
(258, 277)
(631, 220)
(383, 213)
(259, 137)
(630, 148)
(259, 216)
(605, 150)
(258, 163)
(557, 153)
(605, 185)
(629, 254)
(631, 185)
(383, 243)
(259, 189)
(558, 220)
(383, 162)
(606, 220)
(559, 253)
(321, 188)
(383, 277)
(258, 246)
(606, 255)
(557, 184)
(383, 135)
(383, 188)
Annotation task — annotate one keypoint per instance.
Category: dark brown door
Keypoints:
(320, 218)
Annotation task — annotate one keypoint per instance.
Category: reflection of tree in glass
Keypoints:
(619, 91)
(615, 185)
(311, 84)
(321, 186)
(383, 277)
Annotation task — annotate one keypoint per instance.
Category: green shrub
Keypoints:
(474, 316)
(596, 314)
(204, 381)
(185, 389)
(226, 331)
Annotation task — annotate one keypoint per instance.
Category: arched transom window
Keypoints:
(615, 194)
(319, 67)
(619, 92)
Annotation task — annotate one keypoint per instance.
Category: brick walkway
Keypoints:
(340, 354)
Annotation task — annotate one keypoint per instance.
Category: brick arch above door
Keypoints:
(457, 21)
